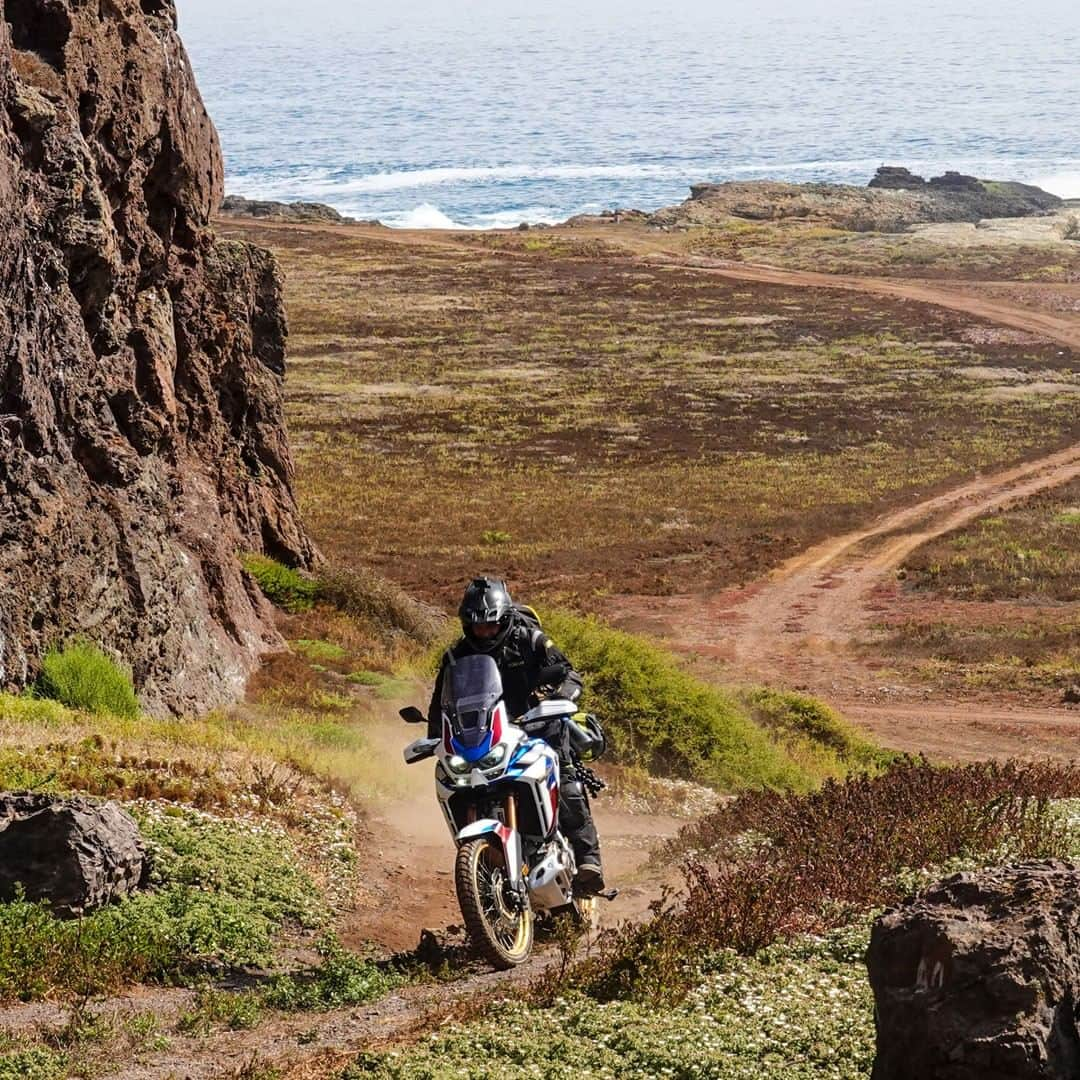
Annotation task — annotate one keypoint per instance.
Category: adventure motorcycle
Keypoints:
(498, 787)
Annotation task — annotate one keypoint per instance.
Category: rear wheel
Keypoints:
(502, 933)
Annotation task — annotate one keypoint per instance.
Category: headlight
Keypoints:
(489, 761)
(458, 764)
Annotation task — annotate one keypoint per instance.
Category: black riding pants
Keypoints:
(576, 823)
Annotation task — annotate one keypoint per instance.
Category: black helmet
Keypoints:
(486, 602)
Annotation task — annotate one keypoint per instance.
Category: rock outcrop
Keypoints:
(979, 198)
(979, 978)
(141, 363)
(894, 200)
(238, 206)
(73, 854)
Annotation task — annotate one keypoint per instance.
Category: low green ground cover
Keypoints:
(795, 1011)
(1030, 550)
(1016, 573)
(221, 891)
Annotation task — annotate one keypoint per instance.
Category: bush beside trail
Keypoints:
(659, 717)
(82, 676)
(767, 866)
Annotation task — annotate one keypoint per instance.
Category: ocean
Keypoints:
(486, 113)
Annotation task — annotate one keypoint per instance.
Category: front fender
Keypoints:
(509, 840)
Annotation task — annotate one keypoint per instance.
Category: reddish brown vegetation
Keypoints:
(768, 866)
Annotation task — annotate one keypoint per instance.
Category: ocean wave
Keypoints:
(424, 216)
(1066, 185)
(507, 219)
(483, 174)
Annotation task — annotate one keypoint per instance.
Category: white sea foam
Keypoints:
(424, 216)
(1066, 185)
(507, 219)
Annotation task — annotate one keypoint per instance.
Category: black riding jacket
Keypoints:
(521, 658)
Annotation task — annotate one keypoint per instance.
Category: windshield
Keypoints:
(471, 691)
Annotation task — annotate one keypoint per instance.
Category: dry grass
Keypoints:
(1029, 551)
(995, 606)
(583, 423)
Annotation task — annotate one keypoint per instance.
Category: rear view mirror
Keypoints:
(412, 715)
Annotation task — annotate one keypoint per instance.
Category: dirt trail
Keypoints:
(796, 627)
(954, 295)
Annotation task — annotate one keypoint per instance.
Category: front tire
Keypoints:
(502, 934)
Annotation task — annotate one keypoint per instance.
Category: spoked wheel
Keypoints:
(502, 933)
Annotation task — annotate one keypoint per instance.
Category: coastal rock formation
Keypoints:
(238, 206)
(894, 200)
(74, 854)
(141, 362)
(979, 978)
(983, 198)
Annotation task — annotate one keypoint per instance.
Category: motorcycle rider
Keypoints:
(532, 667)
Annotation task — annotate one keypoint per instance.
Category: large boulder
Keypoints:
(74, 854)
(142, 444)
(979, 978)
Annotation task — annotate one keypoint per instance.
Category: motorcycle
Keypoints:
(498, 787)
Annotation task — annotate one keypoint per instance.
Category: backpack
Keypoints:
(527, 617)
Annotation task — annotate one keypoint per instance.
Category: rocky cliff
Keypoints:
(141, 363)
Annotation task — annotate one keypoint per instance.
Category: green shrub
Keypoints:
(323, 652)
(813, 733)
(220, 1008)
(282, 585)
(659, 717)
(222, 893)
(38, 1063)
(343, 978)
(81, 676)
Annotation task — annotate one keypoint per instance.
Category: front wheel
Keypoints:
(502, 933)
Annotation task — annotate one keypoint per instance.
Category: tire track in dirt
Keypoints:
(796, 627)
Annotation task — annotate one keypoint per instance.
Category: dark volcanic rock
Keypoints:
(141, 362)
(979, 978)
(238, 206)
(74, 854)
(896, 178)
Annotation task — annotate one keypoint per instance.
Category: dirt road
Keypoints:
(797, 626)
(957, 296)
